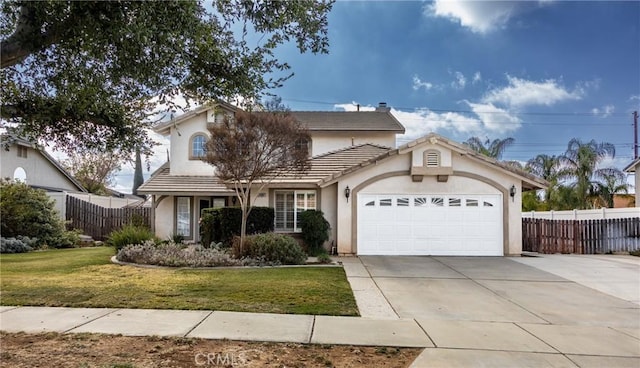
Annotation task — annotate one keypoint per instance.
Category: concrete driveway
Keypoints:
(486, 309)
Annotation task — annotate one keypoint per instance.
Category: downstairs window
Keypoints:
(289, 205)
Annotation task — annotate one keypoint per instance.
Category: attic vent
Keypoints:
(432, 159)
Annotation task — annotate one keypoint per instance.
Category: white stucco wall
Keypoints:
(179, 150)
(418, 155)
(323, 142)
(40, 171)
(404, 184)
(328, 199)
(164, 218)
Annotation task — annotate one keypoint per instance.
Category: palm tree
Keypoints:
(493, 149)
(580, 162)
(548, 168)
(608, 188)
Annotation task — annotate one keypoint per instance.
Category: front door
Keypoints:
(203, 203)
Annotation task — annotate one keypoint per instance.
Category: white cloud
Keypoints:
(634, 97)
(478, 16)
(460, 80)
(494, 118)
(423, 121)
(418, 83)
(521, 92)
(604, 111)
(477, 77)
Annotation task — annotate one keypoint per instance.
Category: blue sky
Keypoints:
(542, 72)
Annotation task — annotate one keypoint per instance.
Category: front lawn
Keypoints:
(86, 278)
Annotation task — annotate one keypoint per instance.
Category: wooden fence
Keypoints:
(581, 236)
(97, 221)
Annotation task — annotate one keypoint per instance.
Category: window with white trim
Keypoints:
(289, 205)
(197, 147)
(183, 216)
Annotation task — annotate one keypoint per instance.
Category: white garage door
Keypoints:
(430, 225)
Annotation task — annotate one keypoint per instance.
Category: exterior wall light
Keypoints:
(512, 193)
(347, 193)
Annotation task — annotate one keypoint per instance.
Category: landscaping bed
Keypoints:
(86, 278)
(93, 350)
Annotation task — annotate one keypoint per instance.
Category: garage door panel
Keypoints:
(425, 224)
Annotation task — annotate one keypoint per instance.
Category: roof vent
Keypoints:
(382, 107)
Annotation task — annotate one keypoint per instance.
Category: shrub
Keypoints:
(129, 234)
(272, 248)
(20, 244)
(315, 230)
(324, 258)
(179, 255)
(30, 212)
(176, 238)
(222, 224)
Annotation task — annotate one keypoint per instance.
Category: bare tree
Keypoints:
(253, 149)
(94, 170)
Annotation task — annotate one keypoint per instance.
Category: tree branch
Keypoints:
(27, 39)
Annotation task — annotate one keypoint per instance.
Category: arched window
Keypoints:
(20, 175)
(197, 146)
(432, 158)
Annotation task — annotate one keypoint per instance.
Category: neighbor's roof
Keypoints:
(162, 183)
(11, 139)
(348, 121)
(632, 166)
(529, 181)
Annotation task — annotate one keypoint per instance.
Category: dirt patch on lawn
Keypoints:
(96, 350)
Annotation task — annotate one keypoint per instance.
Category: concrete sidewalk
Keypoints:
(217, 325)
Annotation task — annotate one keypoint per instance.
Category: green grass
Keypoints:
(86, 278)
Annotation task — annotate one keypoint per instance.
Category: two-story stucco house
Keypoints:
(431, 196)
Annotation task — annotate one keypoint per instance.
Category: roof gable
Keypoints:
(165, 127)
(529, 181)
(632, 166)
(8, 140)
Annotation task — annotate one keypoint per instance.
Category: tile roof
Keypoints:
(161, 182)
(348, 121)
(314, 120)
(322, 167)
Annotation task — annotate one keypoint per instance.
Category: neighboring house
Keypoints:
(21, 160)
(634, 167)
(431, 196)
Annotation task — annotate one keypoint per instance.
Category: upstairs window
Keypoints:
(197, 146)
(22, 151)
(304, 144)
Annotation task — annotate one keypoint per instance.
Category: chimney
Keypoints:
(382, 107)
